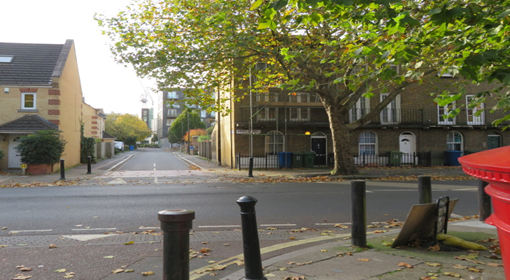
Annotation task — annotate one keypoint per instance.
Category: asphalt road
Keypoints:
(128, 208)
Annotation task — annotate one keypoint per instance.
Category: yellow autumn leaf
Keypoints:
(62, 270)
(129, 243)
(474, 269)
(364, 260)
(452, 274)
(119, 270)
(433, 264)
(147, 273)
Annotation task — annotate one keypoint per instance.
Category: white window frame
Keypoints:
(391, 113)
(361, 108)
(267, 114)
(451, 142)
(362, 142)
(299, 113)
(441, 110)
(472, 118)
(274, 142)
(23, 100)
(203, 113)
(266, 97)
(172, 95)
(172, 112)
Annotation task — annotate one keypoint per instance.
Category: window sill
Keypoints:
(28, 111)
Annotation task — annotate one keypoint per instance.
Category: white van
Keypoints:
(119, 145)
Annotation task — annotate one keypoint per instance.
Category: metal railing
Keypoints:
(388, 117)
(387, 159)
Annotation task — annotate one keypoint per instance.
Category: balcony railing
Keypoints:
(388, 117)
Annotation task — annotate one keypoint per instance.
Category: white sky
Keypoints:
(105, 83)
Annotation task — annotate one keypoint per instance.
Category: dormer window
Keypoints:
(6, 58)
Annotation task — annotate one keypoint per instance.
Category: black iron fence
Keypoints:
(387, 159)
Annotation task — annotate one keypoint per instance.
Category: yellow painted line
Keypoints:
(198, 273)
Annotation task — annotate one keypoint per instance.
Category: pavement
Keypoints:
(286, 254)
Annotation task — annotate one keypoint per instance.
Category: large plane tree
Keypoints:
(342, 51)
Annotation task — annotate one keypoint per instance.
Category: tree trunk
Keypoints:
(344, 162)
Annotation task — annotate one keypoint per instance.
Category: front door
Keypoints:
(407, 146)
(319, 147)
(14, 159)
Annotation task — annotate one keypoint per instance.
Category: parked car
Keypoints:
(119, 145)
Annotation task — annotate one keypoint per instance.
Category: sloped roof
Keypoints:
(28, 123)
(32, 64)
(107, 135)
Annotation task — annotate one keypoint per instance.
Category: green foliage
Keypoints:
(179, 126)
(87, 149)
(126, 126)
(42, 147)
(154, 138)
(203, 138)
(87, 145)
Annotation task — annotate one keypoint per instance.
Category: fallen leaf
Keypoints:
(118, 270)
(147, 273)
(364, 260)
(494, 264)
(23, 268)
(129, 270)
(205, 250)
(403, 264)
(52, 246)
(434, 248)
(21, 277)
(433, 264)
(324, 250)
(129, 243)
(109, 257)
(62, 270)
(452, 274)
(474, 269)
(459, 266)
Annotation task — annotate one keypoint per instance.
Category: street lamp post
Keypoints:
(189, 136)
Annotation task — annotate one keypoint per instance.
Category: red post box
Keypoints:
(493, 167)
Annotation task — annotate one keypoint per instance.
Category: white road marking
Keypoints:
(149, 227)
(331, 224)
(117, 181)
(220, 226)
(278, 225)
(84, 229)
(29, 230)
(87, 237)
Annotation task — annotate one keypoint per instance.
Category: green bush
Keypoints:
(87, 149)
(41, 147)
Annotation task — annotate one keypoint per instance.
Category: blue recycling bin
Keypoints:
(131, 148)
(452, 158)
(285, 159)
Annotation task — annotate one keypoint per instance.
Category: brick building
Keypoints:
(411, 130)
(40, 89)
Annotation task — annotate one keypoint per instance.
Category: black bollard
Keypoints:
(89, 165)
(425, 189)
(62, 170)
(250, 170)
(176, 225)
(252, 258)
(359, 213)
(484, 201)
